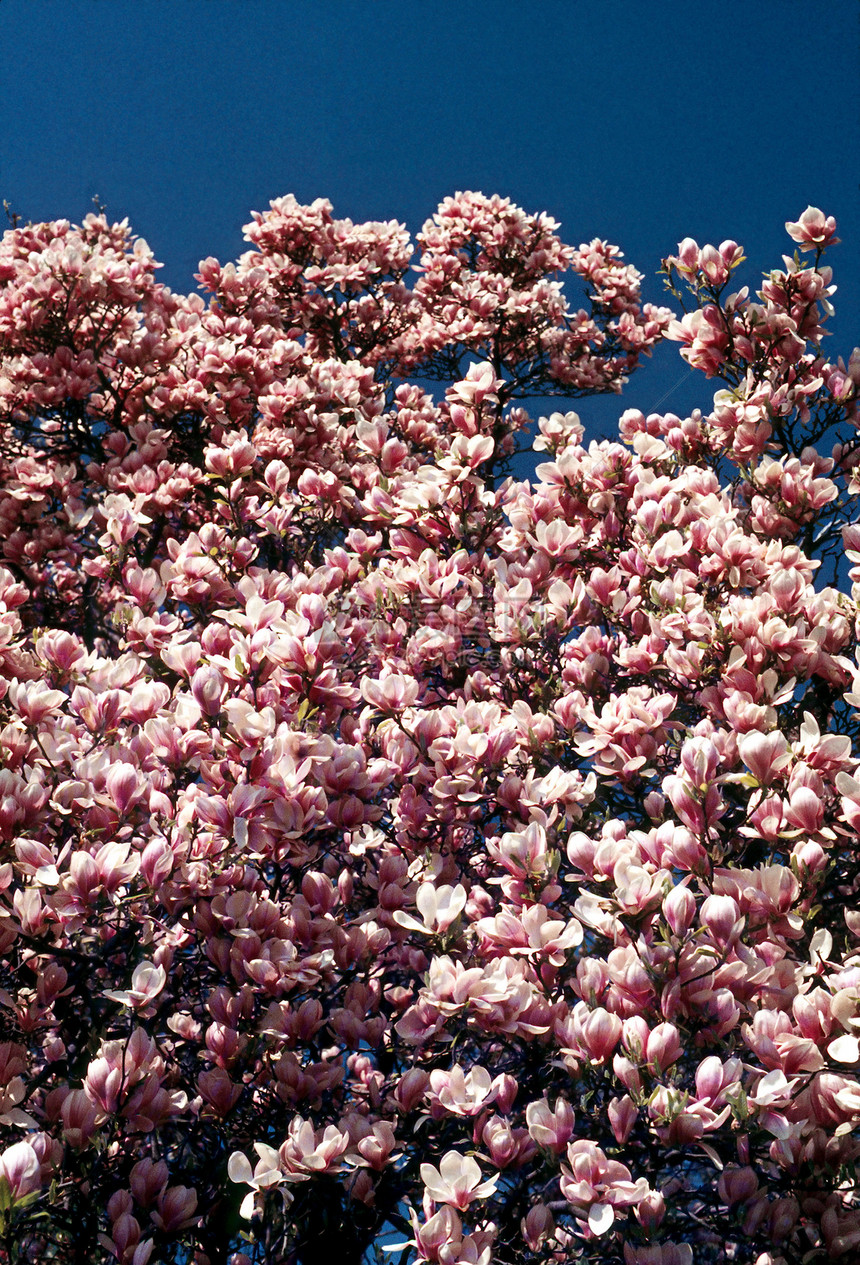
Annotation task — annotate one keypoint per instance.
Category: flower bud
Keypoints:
(635, 1036)
(506, 1091)
(737, 1185)
(721, 915)
(148, 1179)
(663, 1048)
(601, 1033)
(536, 1226)
(622, 1117)
(679, 909)
(410, 1089)
(650, 1211)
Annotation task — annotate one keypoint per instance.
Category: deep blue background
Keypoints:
(634, 121)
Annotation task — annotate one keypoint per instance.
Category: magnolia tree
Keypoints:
(399, 860)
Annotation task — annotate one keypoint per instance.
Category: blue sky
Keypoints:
(641, 122)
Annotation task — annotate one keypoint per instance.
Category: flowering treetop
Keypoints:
(392, 847)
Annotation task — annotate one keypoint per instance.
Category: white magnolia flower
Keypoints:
(266, 1174)
(438, 906)
(146, 983)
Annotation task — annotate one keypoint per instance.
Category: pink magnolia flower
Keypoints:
(308, 1151)
(721, 915)
(462, 1093)
(596, 1185)
(550, 1127)
(457, 1181)
(294, 680)
(20, 1168)
(622, 1115)
(175, 1209)
(813, 229)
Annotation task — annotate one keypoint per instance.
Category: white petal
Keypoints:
(453, 1165)
(601, 1218)
(845, 1049)
(267, 1153)
(486, 1188)
(425, 901)
(148, 979)
(436, 1188)
(410, 923)
(239, 1168)
(478, 1079)
(771, 1087)
(123, 998)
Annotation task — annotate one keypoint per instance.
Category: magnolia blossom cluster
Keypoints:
(398, 855)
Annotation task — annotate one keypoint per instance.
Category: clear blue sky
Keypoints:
(641, 122)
